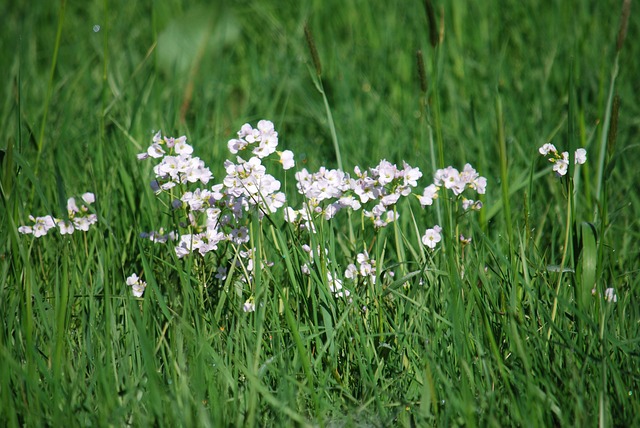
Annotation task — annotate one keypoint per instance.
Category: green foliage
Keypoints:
(513, 328)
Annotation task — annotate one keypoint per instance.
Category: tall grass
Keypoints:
(512, 328)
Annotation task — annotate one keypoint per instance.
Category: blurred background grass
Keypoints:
(123, 70)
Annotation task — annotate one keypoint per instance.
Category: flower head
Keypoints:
(249, 305)
(581, 156)
(560, 161)
(137, 285)
(610, 295)
(286, 159)
(432, 236)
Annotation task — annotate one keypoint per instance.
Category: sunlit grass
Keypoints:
(516, 327)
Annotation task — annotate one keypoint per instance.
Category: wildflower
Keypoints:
(610, 295)
(547, 148)
(41, 226)
(449, 177)
(432, 236)
(83, 223)
(351, 272)
(25, 230)
(78, 219)
(480, 185)
(581, 156)
(335, 286)
(430, 193)
(386, 172)
(88, 198)
(240, 235)
(305, 269)
(560, 161)
(264, 136)
(154, 151)
(181, 147)
(411, 175)
(561, 165)
(65, 227)
(468, 204)
(138, 286)
(286, 159)
(249, 305)
(367, 266)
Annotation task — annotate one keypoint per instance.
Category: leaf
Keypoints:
(589, 258)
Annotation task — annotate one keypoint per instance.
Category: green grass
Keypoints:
(518, 339)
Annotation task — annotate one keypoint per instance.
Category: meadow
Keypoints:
(417, 213)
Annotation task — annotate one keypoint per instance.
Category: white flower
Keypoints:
(286, 159)
(430, 193)
(181, 147)
(432, 236)
(43, 225)
(88, 198)
(335, 286)
(65, 227)
(71, 206)
(351, 272)
(249, 305)
(25, 230)
(547, 148)
(561, 165)
(305, 269)
(581, 156)
(154, 151)
(386, 172)
(610, 295)
(137, 285)
(480, 184)
(411, 175)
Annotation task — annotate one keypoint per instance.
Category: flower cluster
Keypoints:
(366, 268)
(457, 182)
(329, 191)
(178, 167)
(137, 285)
(559, 160)
(218, 213)
(609, 294)
(213, 215)
(78, 218)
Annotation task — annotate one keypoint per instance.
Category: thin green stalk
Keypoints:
(52, 72)
(103, 96)
(504, 173)
(601, 396)
(437, 120)
(313, 50)
(605, 129)
(567, 240)
(437, 124)
(61, 305)
(332, 126)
